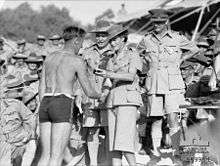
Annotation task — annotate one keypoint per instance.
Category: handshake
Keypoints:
(102, 72)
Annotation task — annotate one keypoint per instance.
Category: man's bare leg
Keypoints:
(156, 134)
(45, 135)
(130, 157)
(29, 153)
(5, 154)
(174, 131)
(116, 158)
(60, 137)
(107, 152)
(93, 144)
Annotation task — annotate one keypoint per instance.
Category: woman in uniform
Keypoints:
(124, 97)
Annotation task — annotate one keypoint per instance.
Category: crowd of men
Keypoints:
(57, 102)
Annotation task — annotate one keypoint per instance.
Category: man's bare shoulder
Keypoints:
(51, 56)
(77, 60)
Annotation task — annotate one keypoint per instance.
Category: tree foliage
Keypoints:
(106, 15)
(24, 22)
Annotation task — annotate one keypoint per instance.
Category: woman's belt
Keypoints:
(120, 83)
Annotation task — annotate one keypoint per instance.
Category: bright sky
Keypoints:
(86, 10)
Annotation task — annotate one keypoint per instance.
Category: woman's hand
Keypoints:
(101, 72)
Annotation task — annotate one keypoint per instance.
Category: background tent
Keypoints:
(139, 21)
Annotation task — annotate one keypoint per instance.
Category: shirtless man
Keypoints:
(60, 71)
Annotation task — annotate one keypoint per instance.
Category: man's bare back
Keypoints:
(61, 71)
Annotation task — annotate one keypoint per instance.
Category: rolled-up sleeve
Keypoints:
(186, 44)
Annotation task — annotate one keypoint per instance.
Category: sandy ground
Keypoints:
(194, 135)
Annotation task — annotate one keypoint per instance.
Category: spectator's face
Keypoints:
(32, 66)
(40, 42)
(21, 47)
(159, 27)
(117, 43)
(19, 63)
(32, 105)
(101, 39)
(56, 42)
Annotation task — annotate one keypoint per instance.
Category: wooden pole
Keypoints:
(210, 20)
(144, 26)
(199, 22)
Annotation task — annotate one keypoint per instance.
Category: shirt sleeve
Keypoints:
(186, 44)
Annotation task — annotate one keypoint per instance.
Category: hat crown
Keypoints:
(160, 14)
(102, 24)
(34, 58)
(33, 54)
(22, 41)
(114, 29)
(41, 37)
(54, 37)
(202, 40)
(19, 55)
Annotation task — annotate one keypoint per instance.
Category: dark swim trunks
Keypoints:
(56, 109)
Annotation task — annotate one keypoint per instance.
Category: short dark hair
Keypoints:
(72, 31)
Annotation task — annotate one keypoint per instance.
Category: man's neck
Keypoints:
(68, 47)
(121, 48)
(101, 50)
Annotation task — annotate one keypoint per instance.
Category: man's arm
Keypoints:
(189, 46)
(134, 65)
(42, 84)
(82, 75)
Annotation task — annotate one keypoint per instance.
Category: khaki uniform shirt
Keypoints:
(125, 92)
(26, 51)
(95, 59)
(16, 122)
(19, 72)
(164, 55)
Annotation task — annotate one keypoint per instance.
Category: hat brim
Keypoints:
(21, 43)
(204, 44)
(15, 84)
(55, 38)
(100, 30)
(41, 39)
(28, 78)
(116, 34)
(34, 60)
(16, 57)
(159, 20)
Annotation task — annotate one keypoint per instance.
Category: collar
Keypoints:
(167, 33)
(102, 51)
